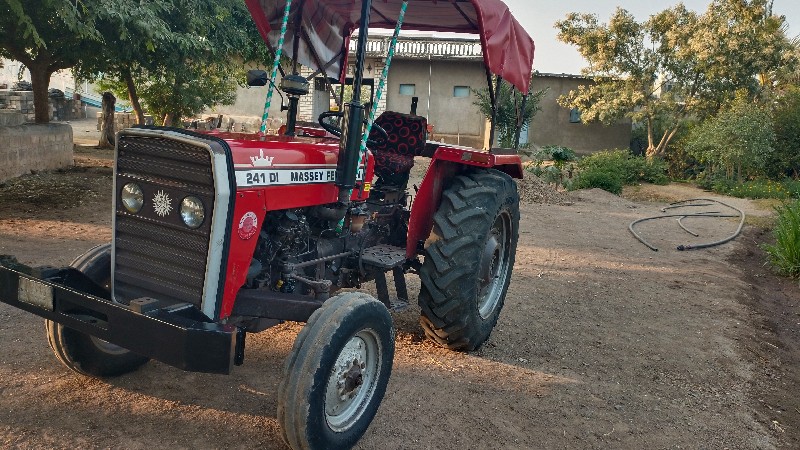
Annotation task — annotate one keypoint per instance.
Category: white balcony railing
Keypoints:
(423, 48)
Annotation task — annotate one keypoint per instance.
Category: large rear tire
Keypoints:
(336, 375)
(85, 354)
(469, 259)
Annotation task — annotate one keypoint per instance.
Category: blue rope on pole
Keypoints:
(362, 154)
(275, 64)
(384, 77)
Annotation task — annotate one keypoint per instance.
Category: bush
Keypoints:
(760, 188)
(560, 156)
(739, 139)
(785, 254)
(785, 160)
(597, 178)
(629, 169)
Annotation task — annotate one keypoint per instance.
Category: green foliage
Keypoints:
(631, 169)
(759, 188)
(739, 139)
(598, 178)
(676, 65)
(192, 60)
(560, 157)
(50, 35)
(606, 168)
(784, 255)
(509, 105)
(188, 92)
(785, 160)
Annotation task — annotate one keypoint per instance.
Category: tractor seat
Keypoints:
(407, 135)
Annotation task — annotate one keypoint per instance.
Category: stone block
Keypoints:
(10, 118)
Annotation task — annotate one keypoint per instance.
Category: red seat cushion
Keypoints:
(407, 135)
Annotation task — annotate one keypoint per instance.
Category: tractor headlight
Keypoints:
(192, 212)
(132, 197)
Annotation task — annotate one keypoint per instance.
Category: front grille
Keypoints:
(155, 254)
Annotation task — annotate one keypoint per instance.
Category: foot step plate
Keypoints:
(384, 256)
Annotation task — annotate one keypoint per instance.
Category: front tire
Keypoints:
(85, 354)
(337, 373)
(469, 259)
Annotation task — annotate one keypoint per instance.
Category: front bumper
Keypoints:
(178, 335)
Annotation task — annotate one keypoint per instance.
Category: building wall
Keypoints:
(248, 109)
(455, 120)
(552, 126)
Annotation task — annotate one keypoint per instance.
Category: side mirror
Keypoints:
(257, 78)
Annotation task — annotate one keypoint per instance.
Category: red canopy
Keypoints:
(328, 24)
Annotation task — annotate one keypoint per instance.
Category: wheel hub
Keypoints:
(352, 381)
(494, 265)
(491, 252)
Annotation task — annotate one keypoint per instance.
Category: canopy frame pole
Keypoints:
(494, 94)
(362, 154)
(298, 31)
(323, 68)
(275, 64)
(384, 78)
(353, 116)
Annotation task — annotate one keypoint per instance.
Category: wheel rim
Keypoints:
(352, 381)
(107, 347)
(494, 266)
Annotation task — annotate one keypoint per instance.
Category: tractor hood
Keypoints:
(326, 26)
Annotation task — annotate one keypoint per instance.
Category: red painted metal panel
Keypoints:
(248, 203)
(447, 162)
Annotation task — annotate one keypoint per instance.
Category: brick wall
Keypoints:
(34, 147)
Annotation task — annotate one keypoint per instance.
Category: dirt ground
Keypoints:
(602, 343)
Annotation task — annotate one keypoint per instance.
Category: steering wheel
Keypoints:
(336, 131)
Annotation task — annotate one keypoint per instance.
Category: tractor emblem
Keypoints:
(248, 225)
(261, 160)
(162, 204)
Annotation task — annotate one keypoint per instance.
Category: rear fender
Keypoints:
(446, 163)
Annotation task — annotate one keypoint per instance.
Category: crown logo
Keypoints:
(261, 160)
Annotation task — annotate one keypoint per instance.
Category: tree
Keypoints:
(786, 157)
(739, 139)
(674, 66)
(193, 63)
(130, 40)
(46, 36)
(509, 104)
(107, 137)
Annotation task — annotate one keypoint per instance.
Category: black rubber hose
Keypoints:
(721, 241)
(653, 248)
(687, 203)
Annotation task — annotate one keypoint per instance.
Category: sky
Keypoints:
(553, 56)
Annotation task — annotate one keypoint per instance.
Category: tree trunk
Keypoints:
(107, 136)
(660, 150)
(133, 96)
(40, 79)
(168, 117)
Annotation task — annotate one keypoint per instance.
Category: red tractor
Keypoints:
(217, 235)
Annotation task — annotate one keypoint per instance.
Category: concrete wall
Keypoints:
(456, 120)
(34, 147)
(551, 126)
